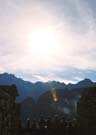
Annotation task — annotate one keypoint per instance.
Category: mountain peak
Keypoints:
(87, 80)
(85, 83)
(34, 90)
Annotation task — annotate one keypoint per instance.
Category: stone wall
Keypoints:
(8, 110)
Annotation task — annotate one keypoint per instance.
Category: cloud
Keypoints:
(66, 75)
(73, 22)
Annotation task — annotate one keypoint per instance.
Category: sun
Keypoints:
(43, 42)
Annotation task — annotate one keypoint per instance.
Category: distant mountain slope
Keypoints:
(24, 87)
(28, 89)
(82, 84)
(47, 106)
(27, 110)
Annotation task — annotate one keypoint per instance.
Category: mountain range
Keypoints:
(36, 99)
(35, 90)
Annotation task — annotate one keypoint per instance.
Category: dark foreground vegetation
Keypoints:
(84, 123)
(55, 126)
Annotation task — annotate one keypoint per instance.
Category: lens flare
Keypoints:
(54, 95)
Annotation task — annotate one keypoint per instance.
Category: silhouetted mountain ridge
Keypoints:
(29, 89)
(82, 84)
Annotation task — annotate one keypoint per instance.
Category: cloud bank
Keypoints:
(73, 22)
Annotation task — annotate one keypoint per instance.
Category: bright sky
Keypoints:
(43, 40)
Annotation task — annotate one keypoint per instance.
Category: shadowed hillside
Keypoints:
(63, 103)
(35, 90)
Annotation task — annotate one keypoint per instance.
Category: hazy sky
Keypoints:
(43, 40)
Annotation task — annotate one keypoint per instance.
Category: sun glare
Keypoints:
(43, 42)
(54, 95)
